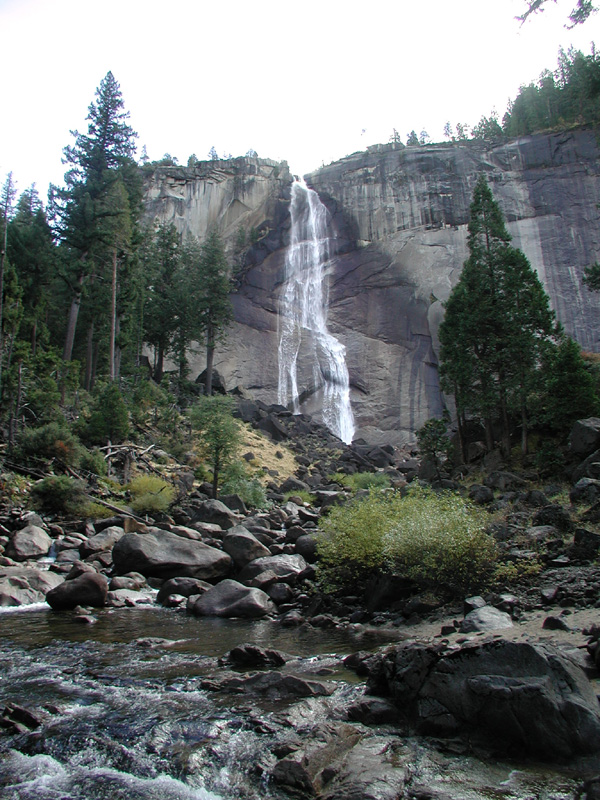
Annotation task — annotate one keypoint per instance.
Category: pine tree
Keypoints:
(215, 306)
(497, 318)
(82, 209)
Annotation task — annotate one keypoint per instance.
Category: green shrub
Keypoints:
(428, 537)
(93, 461)
(236, 480)
(51, 442)
(150, 494)
(109, 419)
(441, 539)
(362, 480)
(302, 494)
(59, 494)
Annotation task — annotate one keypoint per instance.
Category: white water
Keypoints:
(303, 316)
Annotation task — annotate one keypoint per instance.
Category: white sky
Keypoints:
(297, 80)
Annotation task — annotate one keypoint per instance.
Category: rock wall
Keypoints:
(400, 215)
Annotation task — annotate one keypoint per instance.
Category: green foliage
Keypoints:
(427, 537)
(150, 494)
(362, 480)
(109, 419)
(218, 433)
(440, 539)
(51, 442)
(237, 480)
(497, 323)
(59, 494)
(549, 460)
(591, 277)
(434, 441)
(93, 461)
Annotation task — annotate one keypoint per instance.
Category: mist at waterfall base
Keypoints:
(303, 332)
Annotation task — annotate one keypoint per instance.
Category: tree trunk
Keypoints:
(89, 357)
(72, 321)
(113, 318)
(215, 483)
(210, 354)
(524, 429)
(159, 356)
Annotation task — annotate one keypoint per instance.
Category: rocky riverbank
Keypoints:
(511, 673)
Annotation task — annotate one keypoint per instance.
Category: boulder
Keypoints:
(251, 655)
(486, 618)
(89, 589)
(21, 586)
(585, 436)
(185, 587)
(28, 543)
(286, 567)
(555, 515)
(306, 546)
(481, 495)
(586, 490)
(215, 512)
(273, 684)
(102, 541)
(515, 696)
(161, 554)
(231, 599)
(243, 546)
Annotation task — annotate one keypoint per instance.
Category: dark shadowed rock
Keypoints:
(586, 490)
(243, 546)
(185, 587)
(231, 599)
(517, 696)
(161, 554)
(585, 437)
(251, 655)
(89, 589)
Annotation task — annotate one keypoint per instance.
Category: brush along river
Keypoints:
(128, 711)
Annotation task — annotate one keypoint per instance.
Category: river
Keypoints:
(125, 716)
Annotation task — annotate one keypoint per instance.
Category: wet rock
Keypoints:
(89, 589)
(231, 599)
(373, 711)
(165, 555)
(251, 655)
(280, 593)
(128, 598)
(277, 685)
(515, 696)
(28, 543)
(243, 546)
(486, 618)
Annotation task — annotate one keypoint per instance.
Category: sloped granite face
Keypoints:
(400, 218)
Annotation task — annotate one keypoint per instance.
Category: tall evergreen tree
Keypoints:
(83, 208)
(215, 306)
(496, 319)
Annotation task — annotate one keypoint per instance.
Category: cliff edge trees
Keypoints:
(499, 332)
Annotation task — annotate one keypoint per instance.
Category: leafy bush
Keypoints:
(59, 494)
(441, 539)
(422, 535)
(109, 420)
(93, 461)
(53, 442)
(362, 480)
(150, 494)
(302, 494)
(250, 489)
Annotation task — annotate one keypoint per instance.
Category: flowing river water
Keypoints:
(125, 715)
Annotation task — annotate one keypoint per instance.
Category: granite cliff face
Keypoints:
(400, 216)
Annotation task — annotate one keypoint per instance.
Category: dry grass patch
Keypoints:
(264, 451)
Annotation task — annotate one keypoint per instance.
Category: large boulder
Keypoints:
(185, 587)
(216, 512)
(21, 586)
(516, 696)
(102, 541)
(486, 618)
(88, 589)
(243, 546)
(286, 567)
(585, 436)
(30, 542)
(161, 554)
(231, 599)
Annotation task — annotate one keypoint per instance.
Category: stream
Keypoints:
(125, 716)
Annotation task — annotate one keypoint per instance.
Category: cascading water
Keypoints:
(303, 316)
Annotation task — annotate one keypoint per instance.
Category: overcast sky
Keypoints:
(308, 81)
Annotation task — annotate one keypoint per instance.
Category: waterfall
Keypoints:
(303, 316)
